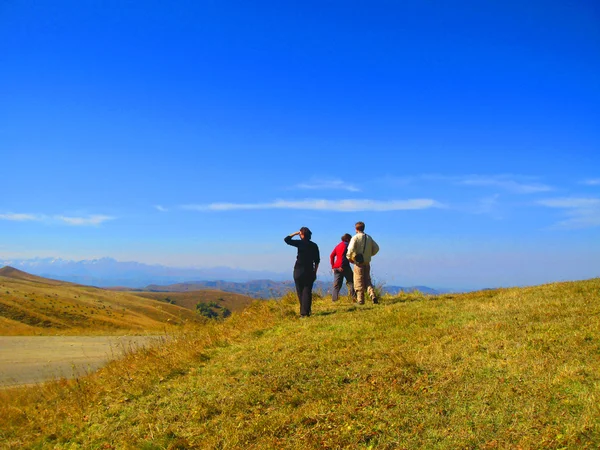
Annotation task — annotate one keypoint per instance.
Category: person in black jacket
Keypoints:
(305, 269)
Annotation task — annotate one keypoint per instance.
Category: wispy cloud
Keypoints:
(328, 184)
(489, 206)
(19, 217)
(96, 219)
(161, 208)
(580, 212)
(350, 205)
(516, 185)
(84, 221)
(591, 182)
(571, 202)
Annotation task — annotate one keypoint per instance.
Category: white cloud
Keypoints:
(96, 219)
(161, 208)
(19, 217)
(505, 182)
(84, 221)
(591, 182)
(571, 202)
(510, 183)
(350, 205)
(328, 184)
(489, 206)
(580, 212)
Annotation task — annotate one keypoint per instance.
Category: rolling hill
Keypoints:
(189, 299)
(32, 305)
(493, 369)
(16, 274)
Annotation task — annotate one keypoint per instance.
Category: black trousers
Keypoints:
(304, 283)
(338, 279)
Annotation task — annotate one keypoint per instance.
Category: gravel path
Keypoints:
(33, 359)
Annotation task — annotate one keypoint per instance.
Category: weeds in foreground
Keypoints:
(510, 368)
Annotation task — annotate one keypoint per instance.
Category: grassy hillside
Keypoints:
(31, 305)
(508, 368)
(189, 300)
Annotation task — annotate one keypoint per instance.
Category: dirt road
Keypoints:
(33, 359)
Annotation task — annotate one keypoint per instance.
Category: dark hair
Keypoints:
(360, 226)
(306, 232)
(346, 237)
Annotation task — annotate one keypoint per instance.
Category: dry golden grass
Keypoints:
(509, 368)
(32, 305)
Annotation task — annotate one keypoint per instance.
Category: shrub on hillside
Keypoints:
(212, 310)
(205, 310)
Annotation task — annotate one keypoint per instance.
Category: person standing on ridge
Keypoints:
(305, 269)
(361, 249)
(341, 269)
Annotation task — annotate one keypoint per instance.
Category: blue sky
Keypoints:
(193, 133)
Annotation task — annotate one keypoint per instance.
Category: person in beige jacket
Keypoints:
(361, 249)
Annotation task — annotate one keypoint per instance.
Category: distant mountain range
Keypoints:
(105, 272)
(108, 272)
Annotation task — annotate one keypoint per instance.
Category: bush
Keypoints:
(205, 310)
(208, 310)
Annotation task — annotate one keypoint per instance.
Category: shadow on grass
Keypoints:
(324, 313)
(410, 299)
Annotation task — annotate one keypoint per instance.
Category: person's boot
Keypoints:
(373, 295)
(360, 297)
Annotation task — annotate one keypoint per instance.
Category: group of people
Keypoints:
(357, 250)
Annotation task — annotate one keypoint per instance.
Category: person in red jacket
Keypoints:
(341, 269)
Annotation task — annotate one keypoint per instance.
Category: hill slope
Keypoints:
(189, 299)
(509, 368)
(16, 274)
(34, 305)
